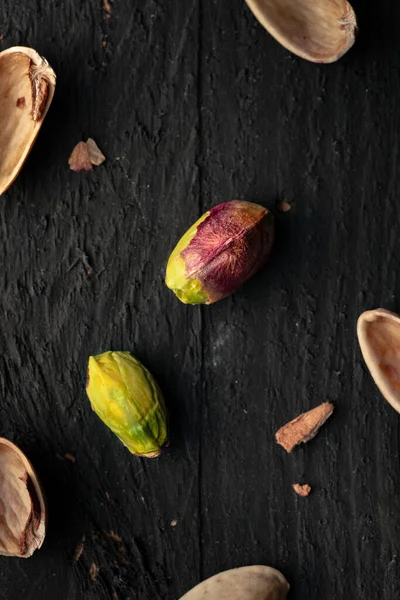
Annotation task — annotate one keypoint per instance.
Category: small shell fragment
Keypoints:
(284, 206)
(84, 155)
(95, 154)
(379, 338)
(304, 427)
(302, 489)
(318, 30)
(22, 506)
(80, 159)
(27, 85)
(247, 583)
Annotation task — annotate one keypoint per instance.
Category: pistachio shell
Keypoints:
(27, 86)
(379, 337)
(221, 251)
(126, 397)
(318, 30)
(23, 514)
(247, 583)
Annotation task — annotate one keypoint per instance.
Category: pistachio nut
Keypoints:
(223, 249)
(126, 397)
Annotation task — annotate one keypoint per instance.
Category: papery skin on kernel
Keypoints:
(126, 397)
(221, 251)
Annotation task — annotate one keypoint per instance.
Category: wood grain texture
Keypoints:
(194, 104)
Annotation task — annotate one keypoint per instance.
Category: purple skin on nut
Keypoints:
(230, 245)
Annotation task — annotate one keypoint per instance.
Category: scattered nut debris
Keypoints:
(107, 8)
(284, 206)
(2, 37)
(304, 427)
(302, 490)
(113, 536)
(21, 102)
(85, 155)
(80, 159)
(70, 457)
(95, 154)
(108, 498)
(104, 43)
(174, 523)
(93, 571)
(79, 549)
(67, 456)
(83, 257)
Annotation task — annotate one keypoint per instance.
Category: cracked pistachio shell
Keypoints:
(221, 251)
(27, 85)
(379, 338)
(320, 31)
(247, 583)
(126, 397)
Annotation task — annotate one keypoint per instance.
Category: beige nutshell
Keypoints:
(379, 337)
(27, 85)
(23, 515)
(318, 30)
(246, 583)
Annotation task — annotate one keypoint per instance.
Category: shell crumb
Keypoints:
(302, 490)
(107, 8)
(93, 571)
(70, 457)
(284, 206)
(79, 549)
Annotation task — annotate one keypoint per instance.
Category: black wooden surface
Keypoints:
(194, 104)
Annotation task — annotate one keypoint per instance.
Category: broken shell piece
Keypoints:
(379, 338)
(95, 154)
(247, 583)
(80, 159)
(27, 84)
(84, 155)
(320, 31)
(302, 490)
(22, 505)
(304, 427)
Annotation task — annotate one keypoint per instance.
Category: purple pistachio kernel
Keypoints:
(220, 252)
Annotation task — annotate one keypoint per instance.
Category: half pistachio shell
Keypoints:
(318, 30)
(247, 583)
(27, 84)
(22, 506)
(379, 337)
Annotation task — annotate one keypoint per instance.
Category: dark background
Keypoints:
(193, 104)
